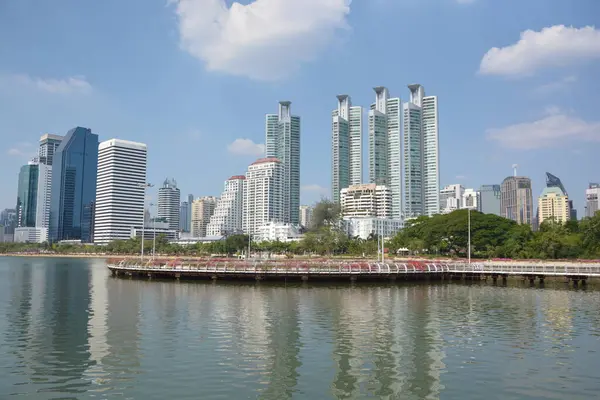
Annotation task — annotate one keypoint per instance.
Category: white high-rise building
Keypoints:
(421, 154)
(283, 143)
(264, 197)
(229, 211)
(203, 209)
(592, 200)
(48, 146)
(119, 189)
(346, 146)
(306, 216)
(368, 200)
(385, 157)
(42, 213)
(169, 199)
(470, 199)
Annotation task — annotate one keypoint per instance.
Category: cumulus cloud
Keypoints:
(70, 85)
(556, 46)
(246, 147)
(556, 129)
(264, 40)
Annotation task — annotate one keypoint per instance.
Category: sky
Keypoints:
(516, 80)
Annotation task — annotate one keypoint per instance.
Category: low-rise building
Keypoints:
(368, 226)
(31, 235)
(278, 231)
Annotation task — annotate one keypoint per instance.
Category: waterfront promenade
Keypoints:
(354, 270)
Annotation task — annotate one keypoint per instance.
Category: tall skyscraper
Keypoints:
(264, 196)
(203, 209)
(27, 195)
(283, 143)
(169, 199)
(554, 181)
(346, 146)
(592, 200)
(385, 157)
(489, 199)
(119, 190)
(553, 203)
(48, 146)
(421, 154)
(516, 199)
(74, 170)
(184, 216)
(229, 211)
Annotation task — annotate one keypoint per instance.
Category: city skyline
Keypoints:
(483, 115)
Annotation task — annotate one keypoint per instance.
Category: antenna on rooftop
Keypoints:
(515, 169)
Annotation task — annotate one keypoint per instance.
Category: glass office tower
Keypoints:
(74, 172)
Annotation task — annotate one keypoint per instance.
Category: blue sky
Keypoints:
(164, 73)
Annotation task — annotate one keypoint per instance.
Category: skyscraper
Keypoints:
(119, 190)
(516, 200)
(27, 195)
(489, 199)
(553, 203)
(283, 142)
(421, 154)
(74, 170)
(385, 157)
(48, 146)
(229, 211)
(264, 196)
(169, 199)
(346, 146)
(44, 196)
(306, 216)
(554, 181)
(184, 216)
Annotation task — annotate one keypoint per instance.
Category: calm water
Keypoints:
(69, 330)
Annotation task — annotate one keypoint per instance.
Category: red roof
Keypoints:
(266, 160)
(237, 177)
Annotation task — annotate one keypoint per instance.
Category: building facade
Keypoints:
(470, 199)
(120, 189)
(169, 201)
(278, 232)
(306, 216)
(184, 216)
(346, 146)
(203, 209)
(44, 191)
(451, 198)
(27, 195)
(421, 154)
(489, 199)
(283, 143)
(74, 171)
(229, 211)
(366, 227)
(516, 199)
(592, 200)
(553, 203)
(368, 200)
(30, 235)
(385, 157)
(264, 195)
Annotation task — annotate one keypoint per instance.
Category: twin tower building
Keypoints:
(402, 136)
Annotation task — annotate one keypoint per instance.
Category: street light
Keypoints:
(145, 186)
(153, 233)
(469, 245)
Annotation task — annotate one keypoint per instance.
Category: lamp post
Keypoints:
(145, 186)
(469, 244)
(153, 233)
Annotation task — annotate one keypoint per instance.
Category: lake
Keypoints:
(68, 330)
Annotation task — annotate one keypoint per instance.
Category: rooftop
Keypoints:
(236, 177)
(266, 160)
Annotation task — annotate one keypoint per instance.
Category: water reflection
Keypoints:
(67, 328)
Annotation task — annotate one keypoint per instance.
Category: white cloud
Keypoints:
(315, 188)
(70, 85)
(22, 149)
(556, 46)
(265, 40)
(246, 147)
(556, 129)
